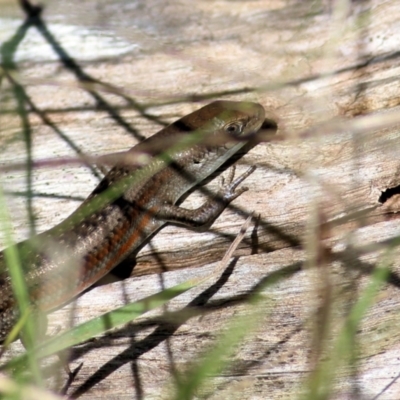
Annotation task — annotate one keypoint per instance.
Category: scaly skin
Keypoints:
(67, 259)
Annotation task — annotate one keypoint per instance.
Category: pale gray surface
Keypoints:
(158, 51)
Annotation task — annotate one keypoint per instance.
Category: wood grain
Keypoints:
(316, 191)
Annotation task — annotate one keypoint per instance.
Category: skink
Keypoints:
(69, 258)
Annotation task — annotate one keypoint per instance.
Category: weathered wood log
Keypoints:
(324, 194)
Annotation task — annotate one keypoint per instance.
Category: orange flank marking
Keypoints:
(136, 237)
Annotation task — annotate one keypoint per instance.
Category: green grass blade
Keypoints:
(320, 385)
(100, 325)
(19, 285)
(217, 358)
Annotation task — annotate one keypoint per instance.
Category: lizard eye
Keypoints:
(234, 128)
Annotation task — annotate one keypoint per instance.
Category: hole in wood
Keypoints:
(388, 193)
